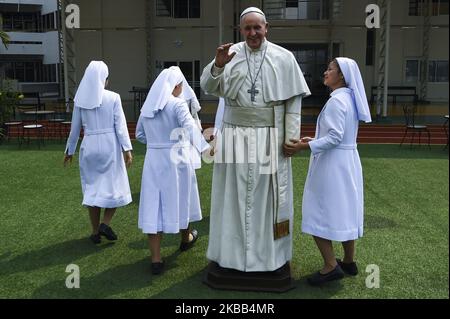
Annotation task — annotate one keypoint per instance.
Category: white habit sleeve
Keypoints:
(292, 118)
(211, 79)
(75, 129)
(334, 118)
(186, 121)
(140, 132)
(120, 124)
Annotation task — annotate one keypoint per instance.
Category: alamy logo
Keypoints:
(373, 279)
(373, 17)
(230, 146)
(73, 280)
(72, 16)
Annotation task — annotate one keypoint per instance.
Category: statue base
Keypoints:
(261, 281)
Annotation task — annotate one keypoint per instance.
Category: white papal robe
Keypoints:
(244, 195)
(333, 203)
(169, 193)
(104, 179)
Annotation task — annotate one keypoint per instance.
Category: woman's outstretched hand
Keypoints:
(289, 149)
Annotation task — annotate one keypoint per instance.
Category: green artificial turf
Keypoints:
(44, 228)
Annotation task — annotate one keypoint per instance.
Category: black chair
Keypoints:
(56, 126)
(411, 126)
(139, 96)
(13, 129)
(67, 123)
(445, 127)
(31, 127)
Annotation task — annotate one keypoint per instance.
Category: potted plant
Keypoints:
(8, 101)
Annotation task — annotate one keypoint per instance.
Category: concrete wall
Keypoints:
(48, 46)
(115, 31)
(51, 40)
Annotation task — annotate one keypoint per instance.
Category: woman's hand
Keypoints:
(128, 157)
(212, 151)
(297, 145)
(67, 159)
(211, 138)
(306, 139)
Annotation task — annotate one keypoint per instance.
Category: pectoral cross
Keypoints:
(253, 91)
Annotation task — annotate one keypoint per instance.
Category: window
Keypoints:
(370, 47)
(178, 9)
(29, 21)
(21, 21)
(48, 22)
(438, 7)
(30, 71)
(336, 50)
(296, 9)
(190, 69)
(412, 71)
(415, 7)
(438, 71)
(313, 60)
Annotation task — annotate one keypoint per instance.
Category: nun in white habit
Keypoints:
(105, 150)
(169, 198)
(189, 96)
(333, 196)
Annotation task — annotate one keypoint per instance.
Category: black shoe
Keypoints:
(186, 246)
(350, 269)
(157, 268)
(107, 231)
(95, 238)
(318, 279)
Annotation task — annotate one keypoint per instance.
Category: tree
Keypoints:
(3, 35)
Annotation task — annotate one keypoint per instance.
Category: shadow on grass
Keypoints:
(117, 280)
(378, 222)
(60, 254)
(194, 288)
(136, 197)
(5, 255)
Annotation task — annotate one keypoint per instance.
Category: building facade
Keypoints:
(138, 38)
(32, 57)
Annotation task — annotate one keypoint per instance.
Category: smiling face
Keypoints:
(333, 78)
(177, 90)
(253, 29)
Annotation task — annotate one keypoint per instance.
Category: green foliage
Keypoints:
(8, 101)
(3, 35)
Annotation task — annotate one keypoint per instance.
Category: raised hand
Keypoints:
(223, 55)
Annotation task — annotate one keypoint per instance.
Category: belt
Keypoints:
(166, 145)
(98, 132)
(249, 116)
(347, 147)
